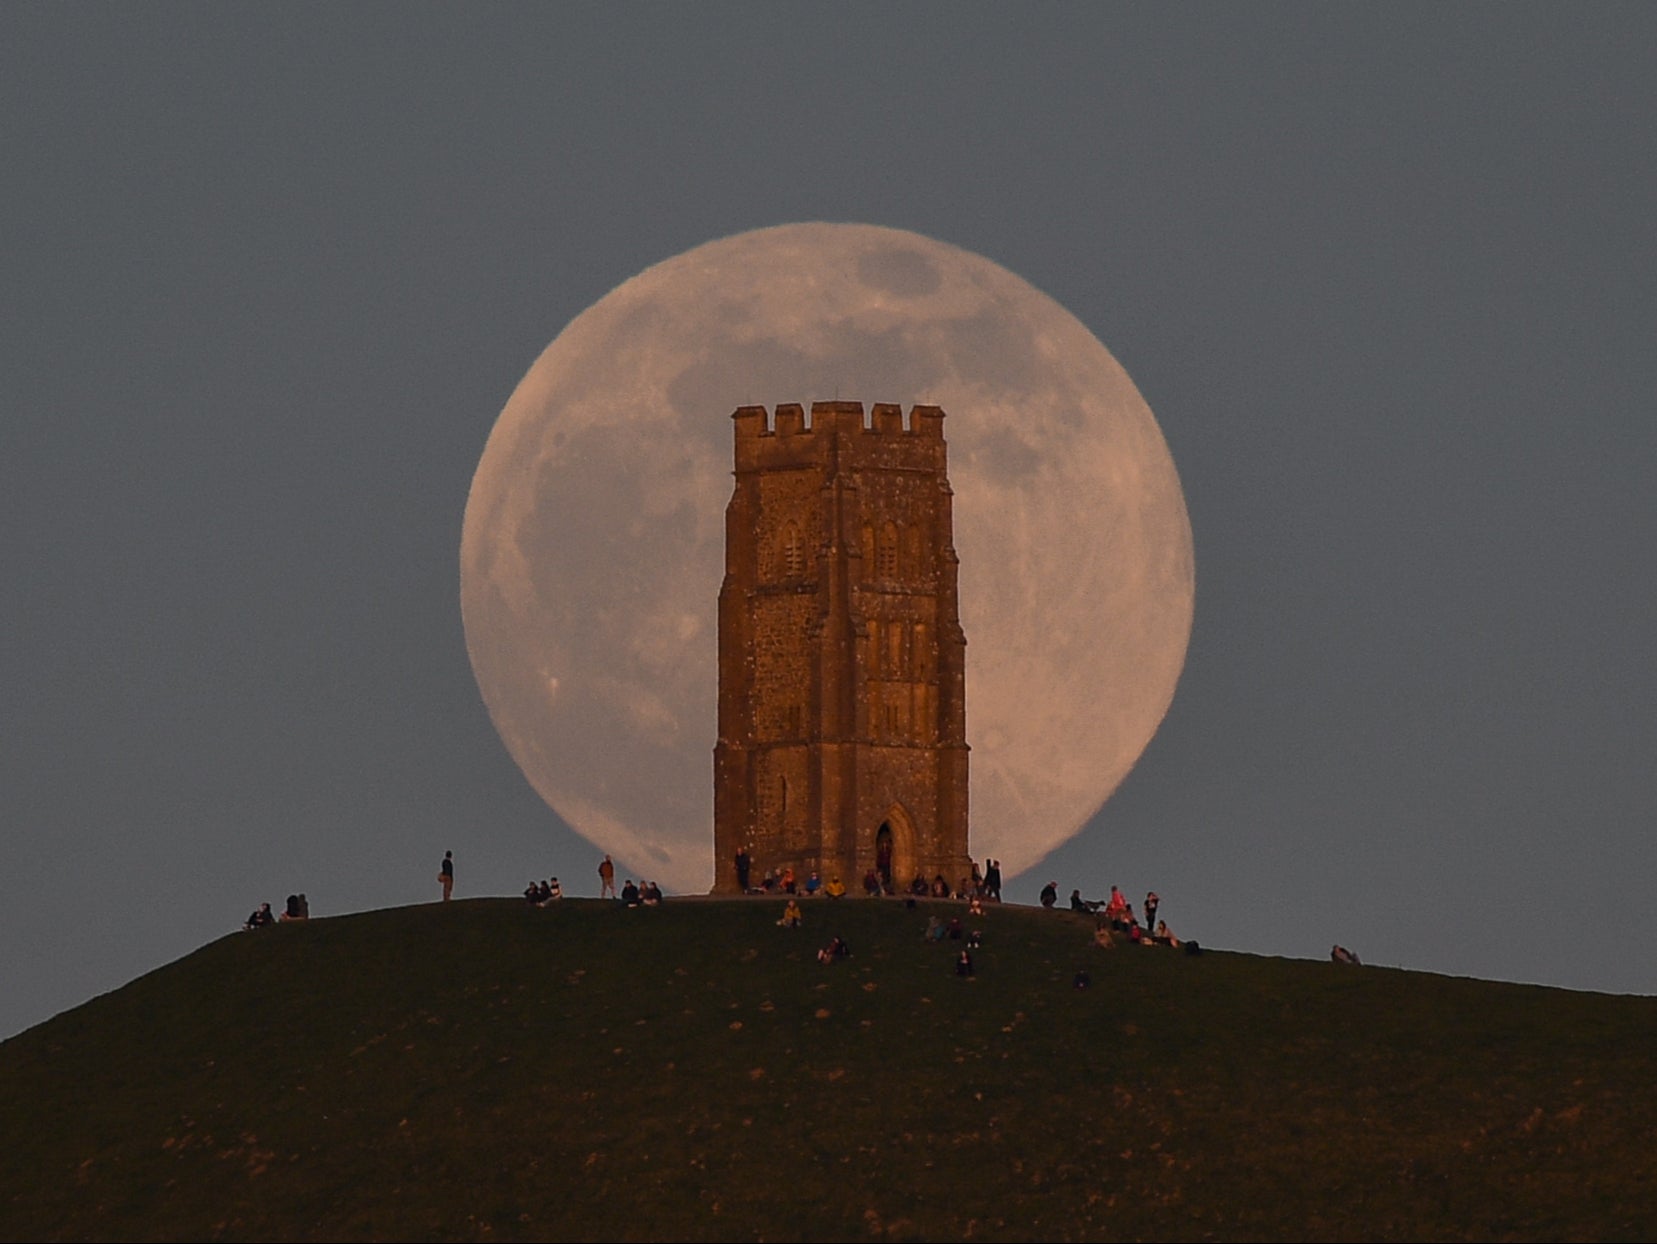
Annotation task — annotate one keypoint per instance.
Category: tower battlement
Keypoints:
(882, 419)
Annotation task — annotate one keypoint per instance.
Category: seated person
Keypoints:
(871, 883)
(554, 890)
(934, 929)
(940, 887)
(955, 929)
(292, 911)
(1163, 936)
(835, 888)
(652, 895)
(1101, 935)
(531, 894)
(630, 893)
(918, 886)
(976, 907)
(791, 915)
(260, 918)
(1077, 903)
(813, 883)
(963, 964)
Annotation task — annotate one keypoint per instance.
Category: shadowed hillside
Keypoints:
(488, 1070)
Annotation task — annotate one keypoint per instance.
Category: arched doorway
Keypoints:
(895, 850)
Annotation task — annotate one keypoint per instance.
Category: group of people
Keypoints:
(787, 881)
(983, 883)
(1116, 916)
(540, 893)
(297, 907)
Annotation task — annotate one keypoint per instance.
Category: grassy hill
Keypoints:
(490, 1071)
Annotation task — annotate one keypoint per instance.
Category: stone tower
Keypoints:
(842, 664)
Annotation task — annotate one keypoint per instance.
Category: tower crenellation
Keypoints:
(883, 419)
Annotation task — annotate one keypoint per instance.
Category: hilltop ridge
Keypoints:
(487, 1070)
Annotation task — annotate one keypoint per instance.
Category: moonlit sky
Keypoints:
(1387, 277)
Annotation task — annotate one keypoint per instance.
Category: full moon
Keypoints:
(593, 544)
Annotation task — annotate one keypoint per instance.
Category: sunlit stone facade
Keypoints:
(842, 664)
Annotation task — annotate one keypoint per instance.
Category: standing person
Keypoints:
(446, 874)
(992, 881)
(1152, 902)
(606, 879)
(744, 865)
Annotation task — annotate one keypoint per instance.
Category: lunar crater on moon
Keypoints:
(593, 545)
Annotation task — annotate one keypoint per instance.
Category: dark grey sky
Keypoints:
(1387, 275)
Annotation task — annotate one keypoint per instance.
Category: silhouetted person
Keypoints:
(260, 917)
(446, 874)
(606, 879)
(1050, 894)
(743, 865)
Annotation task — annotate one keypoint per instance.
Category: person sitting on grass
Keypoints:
(630, 893)
(1163, 935)
(791, 915)
(651, 895)
(554, 890)
(260, 918)
(934, 929)
(836, 949)
(1101, 935)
